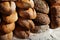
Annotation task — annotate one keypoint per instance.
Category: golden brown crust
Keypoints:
(25, 4)
(7, 28)
(7, 7)
(28, 14)
(12, 18)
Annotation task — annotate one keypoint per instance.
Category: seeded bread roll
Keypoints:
(12, 18)
(28, 14)
(8, 36)
(6, 8)
(26, 23)
(41, 6)
(21, 32)
(25, 4)
(42, 19)
(7, 28)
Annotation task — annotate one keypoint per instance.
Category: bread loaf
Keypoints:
(41, 6)
(21, 32)
(6, 8)
(42, 19)
(28, 14)
(12, 18)
(7, 28)
(25, 4)
(26, 23)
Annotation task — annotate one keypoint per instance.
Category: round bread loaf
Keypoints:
(21, 32)
(28, 14)
(7, 8)
(26, 23)
(12, 18)
(7, 28)
(25, 4)
(41, 6)
(42, 19)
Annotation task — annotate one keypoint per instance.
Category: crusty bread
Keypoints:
(28, 14)
(21, 32)
(7, 28)
(26, 23)
(25, 4)
(42, 19)
(12, 18)
(41, 6)
(7, 7)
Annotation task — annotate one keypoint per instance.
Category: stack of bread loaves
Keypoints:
(26, 12)
(8, 18)
(32, 16)
(55, 13)
(42, 10)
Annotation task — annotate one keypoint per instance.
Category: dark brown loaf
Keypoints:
(55, 11)
(7, 7)
(42, 19)
(21, 32)
(8, 36)
(55, 22)
(26, 23)
(55, 16)
(12, 18)
(25, 4)
(41, 6)
(28, 14)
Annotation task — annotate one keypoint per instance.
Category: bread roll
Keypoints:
(21, 32)
(8, 36)
(12, 18)
(6, 8)
(25, 4)
(41, 6)
(28, 14)
(7, 28)
(42, 19)
(26, 23)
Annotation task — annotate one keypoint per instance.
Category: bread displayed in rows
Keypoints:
(22, 17)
